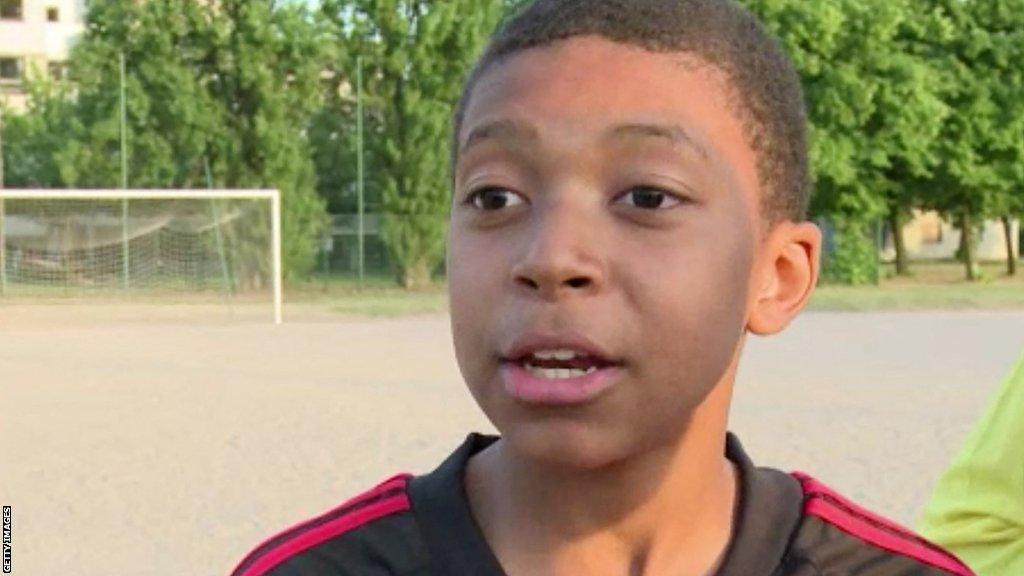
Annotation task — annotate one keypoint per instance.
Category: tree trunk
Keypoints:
(896, 224)
(967, 240)
(1011, 257)
(416, 276)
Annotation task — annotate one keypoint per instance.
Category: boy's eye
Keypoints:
(493, 198)
(651, 197)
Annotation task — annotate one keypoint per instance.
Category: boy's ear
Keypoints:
(785, 276)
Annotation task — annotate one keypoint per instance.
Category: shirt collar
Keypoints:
(767, 514)
(441, 507)
(769, 511)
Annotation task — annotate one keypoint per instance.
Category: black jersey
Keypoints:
(786, 525)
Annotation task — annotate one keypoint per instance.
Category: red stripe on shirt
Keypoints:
(303, 538)
(823, 502)
(307, 540)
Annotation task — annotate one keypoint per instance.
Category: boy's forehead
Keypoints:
(596, 85)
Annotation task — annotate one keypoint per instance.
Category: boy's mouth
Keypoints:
(558, 382)
(569, 351)
(541, 362)
(557, 369)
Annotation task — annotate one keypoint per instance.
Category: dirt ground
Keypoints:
(138, 444)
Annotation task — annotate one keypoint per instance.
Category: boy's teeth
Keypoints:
(557, 373)
(561, 354)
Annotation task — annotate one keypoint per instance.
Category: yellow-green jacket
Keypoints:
(977, 509)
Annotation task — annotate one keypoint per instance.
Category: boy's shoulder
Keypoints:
(405, 526)
(786, 525)
(836, 536)
(789, 524)
(372, 533)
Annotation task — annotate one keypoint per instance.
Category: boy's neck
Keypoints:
(667, 511)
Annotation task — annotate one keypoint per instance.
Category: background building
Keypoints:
(929, 237)
(35, 37)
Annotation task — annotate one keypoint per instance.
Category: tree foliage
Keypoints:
(914, 104)
(233, 82)
(30, 139)
(416, 54)
(982, 142)
(873, 101)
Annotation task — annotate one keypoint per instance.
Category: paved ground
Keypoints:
(170, 448)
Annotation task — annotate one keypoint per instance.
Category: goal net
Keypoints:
(159, 247)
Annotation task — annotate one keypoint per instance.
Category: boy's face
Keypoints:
(622, 204)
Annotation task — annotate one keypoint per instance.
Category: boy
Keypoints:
(630, 184)
(978, 505)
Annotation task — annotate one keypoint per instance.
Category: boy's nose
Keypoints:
(561, 253)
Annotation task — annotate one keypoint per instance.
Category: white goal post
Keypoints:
(79, 241)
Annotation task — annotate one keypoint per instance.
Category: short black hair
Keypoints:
(766, 92)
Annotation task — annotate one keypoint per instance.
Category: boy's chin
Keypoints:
(573, 446)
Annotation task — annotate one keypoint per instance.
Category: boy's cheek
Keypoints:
(473, 308)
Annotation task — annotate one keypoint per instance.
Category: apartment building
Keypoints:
(35, 38)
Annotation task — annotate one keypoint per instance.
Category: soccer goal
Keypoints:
(174, 247)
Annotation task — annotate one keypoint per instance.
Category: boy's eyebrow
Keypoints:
(676, 135)
(517, 132)
(502, 129)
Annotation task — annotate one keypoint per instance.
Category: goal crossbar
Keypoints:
(272, 195)
(117, 194)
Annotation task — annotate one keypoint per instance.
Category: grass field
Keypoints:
(378, 297)
(934, 286)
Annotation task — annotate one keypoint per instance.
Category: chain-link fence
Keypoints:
(341, 249)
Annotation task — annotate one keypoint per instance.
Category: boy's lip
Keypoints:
(520, 384)
(530, 342)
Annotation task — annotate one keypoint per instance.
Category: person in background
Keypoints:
(977, 508)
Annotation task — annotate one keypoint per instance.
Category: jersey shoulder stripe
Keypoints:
(388, 497)
(822, 502)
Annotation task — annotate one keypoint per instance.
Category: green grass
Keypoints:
(389, 304)
(933, 286)
(379, 296)
(911, 298)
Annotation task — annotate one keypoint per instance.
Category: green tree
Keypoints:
(234, 83)
(1005, 21)
(416, 54)
(981, 145)
(30, 138)
(265, 72)
(874, 110)
(908, 115)
(169, 114)
(333, 131)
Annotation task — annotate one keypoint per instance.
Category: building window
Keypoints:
(10, 9)
(56, 70)
(52, 14)
(10, 69)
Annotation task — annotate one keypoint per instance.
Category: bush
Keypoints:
(850, 256)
